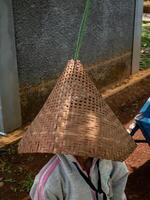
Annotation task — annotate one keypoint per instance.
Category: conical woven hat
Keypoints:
(76, 120)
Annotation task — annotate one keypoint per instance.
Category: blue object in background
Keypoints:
(143, 122)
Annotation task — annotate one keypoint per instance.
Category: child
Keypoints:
(66, 177)
(79, 127)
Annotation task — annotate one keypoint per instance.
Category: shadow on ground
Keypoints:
(138, 186)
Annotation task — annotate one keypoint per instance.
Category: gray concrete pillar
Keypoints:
(137, 36)
(10, 112)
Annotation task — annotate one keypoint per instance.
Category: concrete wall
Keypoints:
(46, 31)
(10, 113)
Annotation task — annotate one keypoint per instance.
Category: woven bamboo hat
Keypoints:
(76, 120)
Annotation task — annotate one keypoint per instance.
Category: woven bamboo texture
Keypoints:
(76, 120)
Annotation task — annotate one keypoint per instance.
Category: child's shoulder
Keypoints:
(113, 165)
(119, 164)
(48, 170)
(46, 178)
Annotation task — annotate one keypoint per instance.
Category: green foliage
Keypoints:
(27, 183)
(146, 35)
(145, 46)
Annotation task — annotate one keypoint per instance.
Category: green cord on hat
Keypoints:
(82, 29)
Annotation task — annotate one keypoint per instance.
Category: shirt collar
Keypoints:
(73, 159)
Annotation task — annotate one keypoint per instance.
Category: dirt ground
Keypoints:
(17, 171)
(138, 163)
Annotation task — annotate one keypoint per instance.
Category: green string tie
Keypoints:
(82, 29)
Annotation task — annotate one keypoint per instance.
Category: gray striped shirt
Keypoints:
(59, 179)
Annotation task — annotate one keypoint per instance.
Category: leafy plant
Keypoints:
(145, 46)
(27, 183)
